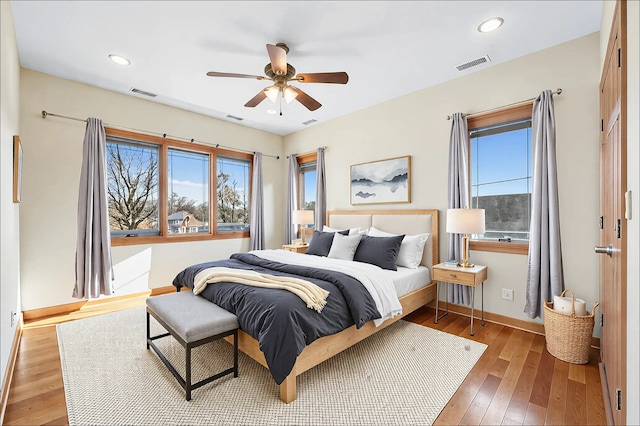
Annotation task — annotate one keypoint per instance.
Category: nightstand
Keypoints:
(471, 277)
(295, 249)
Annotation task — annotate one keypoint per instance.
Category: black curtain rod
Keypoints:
(324, 148)
(557, 92)
(45, 114)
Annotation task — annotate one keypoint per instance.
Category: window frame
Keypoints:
(302, 160)
(164, 144)
(505, 115)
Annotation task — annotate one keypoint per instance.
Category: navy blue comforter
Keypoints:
(278, 319)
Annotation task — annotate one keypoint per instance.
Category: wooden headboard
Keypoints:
(408, 222)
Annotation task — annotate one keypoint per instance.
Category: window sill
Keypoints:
(132, 241)
(499, 247)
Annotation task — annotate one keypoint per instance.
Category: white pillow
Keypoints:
(344, 246)
(411, 249)
(352, 231)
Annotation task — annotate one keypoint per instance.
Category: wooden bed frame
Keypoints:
(328, 346)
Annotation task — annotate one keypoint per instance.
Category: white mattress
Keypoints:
(406, 280)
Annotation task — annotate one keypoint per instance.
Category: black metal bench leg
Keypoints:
(235, 354)
(188, 372)
(148, 331)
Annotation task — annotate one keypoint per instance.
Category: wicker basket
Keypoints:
(568, 336)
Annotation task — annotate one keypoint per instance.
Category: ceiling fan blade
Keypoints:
(323, 77)
(228, 74)
(306, 100)
(278, 58)
(256, 99)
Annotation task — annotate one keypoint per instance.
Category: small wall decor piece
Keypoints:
(383, 181)
(17, 169)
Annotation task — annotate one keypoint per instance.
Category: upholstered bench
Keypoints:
(192, 321)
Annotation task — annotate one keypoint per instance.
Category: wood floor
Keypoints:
(516, 381)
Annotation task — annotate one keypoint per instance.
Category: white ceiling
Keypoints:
(388, 48)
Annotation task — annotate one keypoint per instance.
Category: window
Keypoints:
(198, 183)
(233, 194)
(501, 178)
(132, 188)
(307, 185)
(188, 203)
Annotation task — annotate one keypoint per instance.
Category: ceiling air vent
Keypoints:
(142, 92)
(306, 123)
(474, 63)
(234, 117)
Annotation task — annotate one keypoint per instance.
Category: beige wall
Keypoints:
(53, 152)
(416, 125)
(9, 212)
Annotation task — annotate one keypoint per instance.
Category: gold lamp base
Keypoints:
(465, 260)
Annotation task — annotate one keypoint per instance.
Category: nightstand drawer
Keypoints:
(454, 275)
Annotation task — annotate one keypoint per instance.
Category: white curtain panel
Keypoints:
(257, 205)
(545, 277)
(292, 198)
(321, 192)
(94, 271)
(459, 195)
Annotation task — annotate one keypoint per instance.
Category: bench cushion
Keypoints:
(192, 317)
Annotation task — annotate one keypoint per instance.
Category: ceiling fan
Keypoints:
(281, 73)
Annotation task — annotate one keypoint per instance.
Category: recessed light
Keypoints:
(272, 111)
(490, 25)
(120, 60)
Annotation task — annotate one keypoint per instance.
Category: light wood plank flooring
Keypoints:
(515, 381)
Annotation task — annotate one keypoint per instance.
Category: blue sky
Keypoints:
(502, 157)
(189, 174)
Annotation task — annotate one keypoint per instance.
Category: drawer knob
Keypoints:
(453, 275)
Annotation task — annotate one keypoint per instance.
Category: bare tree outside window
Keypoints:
(232, 189)
(132, 173)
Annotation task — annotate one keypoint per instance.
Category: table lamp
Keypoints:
(465, 221)
(302, 217)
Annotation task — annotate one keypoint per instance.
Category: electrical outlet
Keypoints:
(507, 294)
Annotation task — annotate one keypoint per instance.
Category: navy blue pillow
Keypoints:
(379, 251)
(321, 242)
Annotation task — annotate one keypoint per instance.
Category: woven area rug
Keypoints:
(404, 374)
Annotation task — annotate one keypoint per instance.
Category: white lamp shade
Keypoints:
(302, 217)
(465, 221)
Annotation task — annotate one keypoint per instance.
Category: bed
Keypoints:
(286, 356)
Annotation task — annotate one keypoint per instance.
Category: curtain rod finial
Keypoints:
(44, 114)
(559, 90)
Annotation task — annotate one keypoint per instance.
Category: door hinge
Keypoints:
(601, 222)
(619, 226)
(619, 58)
(601, 320)
(618, 399)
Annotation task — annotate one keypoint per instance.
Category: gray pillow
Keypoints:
(379, 251)
(321, 242)
(344, 246)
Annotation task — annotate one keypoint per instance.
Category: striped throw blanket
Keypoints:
(315, 297)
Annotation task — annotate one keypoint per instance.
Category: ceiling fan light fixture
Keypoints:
(120, 60)
(272, 93)
(289, 94)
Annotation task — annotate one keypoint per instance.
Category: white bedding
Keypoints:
(407, 280)
(380, 286)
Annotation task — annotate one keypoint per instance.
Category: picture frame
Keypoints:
(381, 182)
(17, 169)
